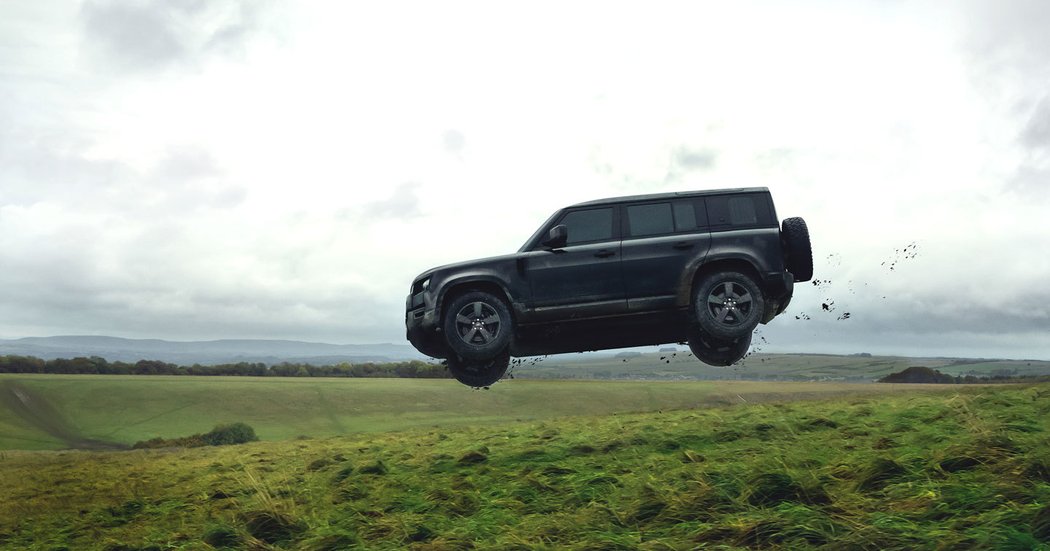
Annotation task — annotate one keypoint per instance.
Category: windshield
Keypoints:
(536, 237)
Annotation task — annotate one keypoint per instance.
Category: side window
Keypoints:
(737, 211)
(589, 225)
(651, 219)
(689, 215)
(742, 211)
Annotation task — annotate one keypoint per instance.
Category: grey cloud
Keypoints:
(1009, 36)
(188, 163)
(687, 159)
(1036, 134)
(145, 280)
(38, 166)
(59, 170)
(695, 159)
(133, 36)
(402, 203)
(192, 177)
(1031, 181)
(1008, 47)
(938, 324)
(1032, 178)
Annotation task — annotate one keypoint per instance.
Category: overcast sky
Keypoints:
(206, 169)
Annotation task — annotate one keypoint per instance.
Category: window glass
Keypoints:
(742, 211)
(589, 225)
(684, 216)
(738, 211)
(651, 219)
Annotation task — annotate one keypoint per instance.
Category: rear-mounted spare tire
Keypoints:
(798, 253)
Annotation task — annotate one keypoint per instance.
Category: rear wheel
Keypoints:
(728, 305)
(798, 251)
(718, 353)
(477, 325)
(479, 373)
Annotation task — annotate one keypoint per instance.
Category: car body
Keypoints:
(613, 273)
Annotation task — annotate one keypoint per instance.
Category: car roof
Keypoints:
(672, 195)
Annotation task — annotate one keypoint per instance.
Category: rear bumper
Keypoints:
(778, 287)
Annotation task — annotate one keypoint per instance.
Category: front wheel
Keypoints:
(717, 353)
(479, 373)
(477, 326)
(728, 305)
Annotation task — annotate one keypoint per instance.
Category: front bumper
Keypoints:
(421, 329)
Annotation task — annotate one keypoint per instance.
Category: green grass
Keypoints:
(128, 409)
(763, 367)
(955, 468)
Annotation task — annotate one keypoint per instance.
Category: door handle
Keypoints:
(683, 245)
(604, 253)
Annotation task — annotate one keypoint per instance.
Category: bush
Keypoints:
(235, 433)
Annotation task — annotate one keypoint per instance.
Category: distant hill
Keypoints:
(206, 352)
(918, 374)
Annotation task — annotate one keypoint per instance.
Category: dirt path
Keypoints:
(38, 412)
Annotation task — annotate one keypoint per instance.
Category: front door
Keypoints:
(582, 279)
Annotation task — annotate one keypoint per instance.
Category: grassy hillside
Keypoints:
(962, 468)
(74, 410)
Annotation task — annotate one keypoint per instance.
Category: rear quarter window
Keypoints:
(728, 212)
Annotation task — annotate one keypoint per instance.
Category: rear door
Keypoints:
(662, 241)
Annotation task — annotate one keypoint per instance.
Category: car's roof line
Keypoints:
(671, 195)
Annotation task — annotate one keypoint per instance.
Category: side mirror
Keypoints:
(558, 236)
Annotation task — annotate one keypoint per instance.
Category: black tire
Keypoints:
(727, 305)
(798, 252)
(718, 353)
(477, 326)
(479, 373)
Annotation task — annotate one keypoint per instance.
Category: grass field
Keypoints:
(122, 410)
(959, 467)
(681, 364)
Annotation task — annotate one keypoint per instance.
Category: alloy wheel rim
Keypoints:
(478, 324)
(729, 303)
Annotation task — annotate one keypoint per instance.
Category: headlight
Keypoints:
(426, 284)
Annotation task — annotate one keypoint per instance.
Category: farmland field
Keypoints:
(121, 410)
(676, 363)
(744, 465)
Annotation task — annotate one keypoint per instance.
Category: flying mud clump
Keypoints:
(899, 255)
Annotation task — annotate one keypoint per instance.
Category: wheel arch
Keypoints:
(736, 263)
(459, 287)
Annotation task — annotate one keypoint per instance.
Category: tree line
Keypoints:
(95, 365)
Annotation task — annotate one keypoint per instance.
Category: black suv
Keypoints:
(703, 267)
